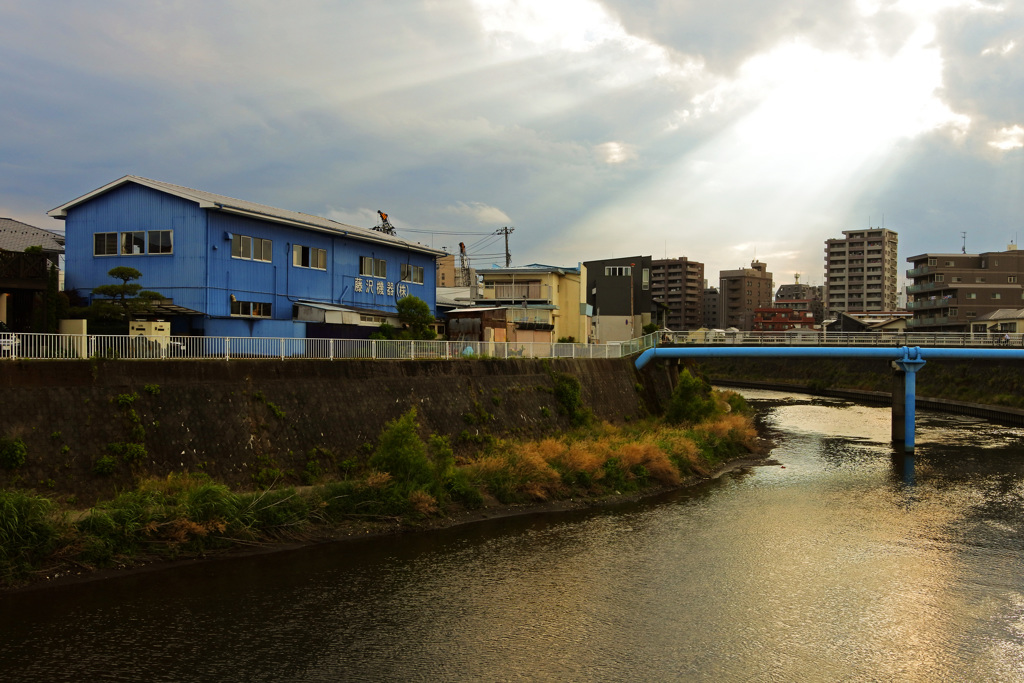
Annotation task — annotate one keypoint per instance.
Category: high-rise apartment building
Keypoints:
(710, 318)
(677, 284)
(740, 292)
(951, 290)
(860, 271)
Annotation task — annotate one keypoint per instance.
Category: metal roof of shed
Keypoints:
(217, 202)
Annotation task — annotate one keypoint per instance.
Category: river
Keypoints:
(839, 564)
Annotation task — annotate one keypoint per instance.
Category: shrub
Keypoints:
(105, 465)
(737, 403)
(13, 453)
(126, 400)
(569, 394)
(401, 452)
(691, 400)
(129, 452)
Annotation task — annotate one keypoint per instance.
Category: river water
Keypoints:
(841, 564)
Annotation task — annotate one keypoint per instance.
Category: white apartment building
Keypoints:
(861, 271)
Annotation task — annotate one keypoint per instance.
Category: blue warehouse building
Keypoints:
(229, 267)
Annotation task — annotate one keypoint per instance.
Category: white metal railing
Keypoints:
(42, 346)
(814, 338)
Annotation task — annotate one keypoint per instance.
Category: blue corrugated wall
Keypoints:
(201, 274)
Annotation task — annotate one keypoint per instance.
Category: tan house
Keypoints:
(542, 303)
(1001, 321)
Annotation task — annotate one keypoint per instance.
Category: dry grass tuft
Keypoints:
(423, 503)
(529, 465)
(734, 427)
(485, 466)
(682, 447)
(652, 458)
(377, 480)
(583, 456)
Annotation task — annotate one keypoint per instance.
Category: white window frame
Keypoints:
(245, 248)
(618, 271)
(111, 244)
(411, 273)
(251, 309)
(131, 240)
(161, 249)
(309, 257)
(373, 267)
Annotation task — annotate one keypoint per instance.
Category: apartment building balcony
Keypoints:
(933, 302)
(525, 291)
(531, 318)
(932, 321)
(926, 286)
(922, 270)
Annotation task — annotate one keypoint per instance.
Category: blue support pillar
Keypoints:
(907, 366)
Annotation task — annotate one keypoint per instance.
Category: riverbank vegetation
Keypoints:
(406, 480)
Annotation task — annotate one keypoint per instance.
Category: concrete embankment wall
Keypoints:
(239, 419)
(993, 390)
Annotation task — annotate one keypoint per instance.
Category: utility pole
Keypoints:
(506, 231)
(463, 266)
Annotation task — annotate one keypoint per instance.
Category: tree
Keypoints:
(416, 319)
(126, 300)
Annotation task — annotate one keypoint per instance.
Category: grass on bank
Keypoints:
(406, 479)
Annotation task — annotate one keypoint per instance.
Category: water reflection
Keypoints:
(903, 467)
(833, 567)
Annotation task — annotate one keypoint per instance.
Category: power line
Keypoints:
(445, 232)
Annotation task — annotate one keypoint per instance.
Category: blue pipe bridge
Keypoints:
(906, 362)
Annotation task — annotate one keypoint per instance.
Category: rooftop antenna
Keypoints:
(963, 249)
(385, 225)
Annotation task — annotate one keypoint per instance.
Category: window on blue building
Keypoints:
(255, 248)
(160, 242)
(262, 250)
(309, 257)
(241, 246)
(133, 243)
(104, 244)
(411, 273)
(374, 267)
(251, 309)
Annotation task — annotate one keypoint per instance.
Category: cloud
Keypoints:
(674, 127)
(480, 212)
(615, 152)
(1008, 138)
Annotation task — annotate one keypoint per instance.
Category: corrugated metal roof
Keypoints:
(1002, 314)
(217, 202)
(18, 236)
(528, 269)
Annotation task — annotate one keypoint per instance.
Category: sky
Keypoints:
(720, 131)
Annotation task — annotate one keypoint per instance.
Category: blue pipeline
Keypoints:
(908, 359)
(889, 353)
